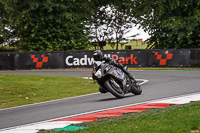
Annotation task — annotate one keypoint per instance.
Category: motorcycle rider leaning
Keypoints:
(98, 56)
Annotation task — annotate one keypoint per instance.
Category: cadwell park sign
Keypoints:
(84, 59)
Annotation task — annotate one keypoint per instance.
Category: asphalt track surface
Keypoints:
(162, 84)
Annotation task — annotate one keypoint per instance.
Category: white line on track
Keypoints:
(50, 101)
(143, 80)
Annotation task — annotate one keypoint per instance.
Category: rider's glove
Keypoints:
(112, 62)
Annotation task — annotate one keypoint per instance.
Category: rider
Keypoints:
(98, 56)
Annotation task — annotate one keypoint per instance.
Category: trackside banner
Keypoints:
(84, 59)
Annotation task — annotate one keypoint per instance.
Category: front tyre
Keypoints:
(102, 90)
(113, 89)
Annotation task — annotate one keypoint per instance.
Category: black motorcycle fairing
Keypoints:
(112, 79)
(107, 72)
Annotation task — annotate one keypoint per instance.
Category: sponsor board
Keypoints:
(84, 59)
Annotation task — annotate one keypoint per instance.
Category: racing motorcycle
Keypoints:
(114, 80)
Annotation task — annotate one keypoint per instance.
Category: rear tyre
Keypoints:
(113, 90)
(136, 89)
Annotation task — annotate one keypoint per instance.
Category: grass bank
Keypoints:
(16, 90)
(173, 119)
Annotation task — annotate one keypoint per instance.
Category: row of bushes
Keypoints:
(8, 49)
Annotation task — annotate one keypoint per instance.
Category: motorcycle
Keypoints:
(114, 80)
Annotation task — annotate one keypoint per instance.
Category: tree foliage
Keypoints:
(170, 23)
(7, 32)
(49, 25)
(121, 24)
(111, 22)
(46, 25)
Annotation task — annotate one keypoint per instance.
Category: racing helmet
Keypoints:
(98, 55)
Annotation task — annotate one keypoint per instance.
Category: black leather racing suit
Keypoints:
(113, 62)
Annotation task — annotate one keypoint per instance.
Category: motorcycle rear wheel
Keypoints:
(137, 90)
(112, 90)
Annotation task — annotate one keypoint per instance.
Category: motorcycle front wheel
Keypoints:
(113, 90)
(102, 90)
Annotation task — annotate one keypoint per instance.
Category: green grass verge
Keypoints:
(173, 119)
(16, 90)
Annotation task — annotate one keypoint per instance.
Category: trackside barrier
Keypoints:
(84, 59)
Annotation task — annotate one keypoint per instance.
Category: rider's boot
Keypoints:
(133, 81)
